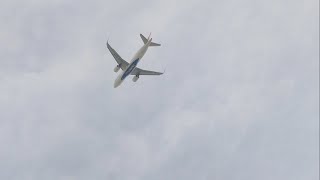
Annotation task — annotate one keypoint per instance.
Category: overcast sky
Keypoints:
(239, 99)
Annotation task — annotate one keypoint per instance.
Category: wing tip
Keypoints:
(164, 70)
(108, 41)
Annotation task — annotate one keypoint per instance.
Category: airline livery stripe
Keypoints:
(130, 69)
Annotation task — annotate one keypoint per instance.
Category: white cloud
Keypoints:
(239, 99)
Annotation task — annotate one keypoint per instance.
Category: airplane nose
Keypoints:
(117, 83)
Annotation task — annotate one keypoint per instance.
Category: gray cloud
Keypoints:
(239, 99)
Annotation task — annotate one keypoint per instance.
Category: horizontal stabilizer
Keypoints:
(154, 44)
(145, 40)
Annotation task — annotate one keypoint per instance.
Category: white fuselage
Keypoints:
(133, 64)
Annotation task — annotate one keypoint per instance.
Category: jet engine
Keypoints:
(135, 78)
(116, 69)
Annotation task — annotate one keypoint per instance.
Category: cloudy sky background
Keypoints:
(239, 99)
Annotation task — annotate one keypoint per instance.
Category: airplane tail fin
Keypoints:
(145, 40)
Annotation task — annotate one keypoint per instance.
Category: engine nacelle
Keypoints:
(135, 78)
(116, 69)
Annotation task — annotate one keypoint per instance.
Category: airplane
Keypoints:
(131, 68)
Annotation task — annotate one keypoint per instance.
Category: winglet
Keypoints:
(164, 70)
(108, 38)
(107, 41)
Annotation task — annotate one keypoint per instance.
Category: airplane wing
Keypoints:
(122, 63)
(138, 71)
